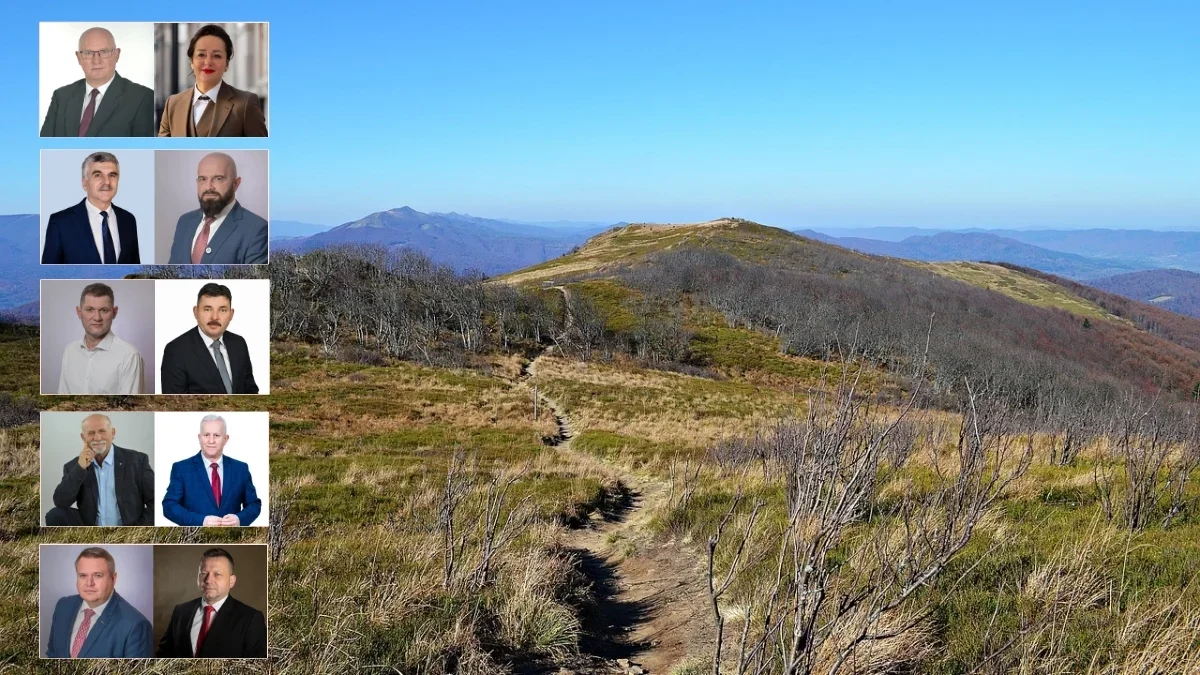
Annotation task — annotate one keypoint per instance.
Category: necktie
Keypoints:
(216, 349)
(201, 241)
(110, 249)
(208, 610)
(216, 483)
(88, 113)
(81, 636)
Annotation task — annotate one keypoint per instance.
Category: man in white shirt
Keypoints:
(103, 103)
(100, 363)
(215, 625)
(95, 230)
(98, 622)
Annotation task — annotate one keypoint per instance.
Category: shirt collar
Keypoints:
(211, 93)
(216, 605)
(98, 608)
(208, 342)
(104, 344)
(208, 462)
(94, 210)
(107, 458)
(87, 88)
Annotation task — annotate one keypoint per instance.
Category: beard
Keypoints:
(215, 203)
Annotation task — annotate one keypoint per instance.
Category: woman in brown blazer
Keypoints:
(212, 107)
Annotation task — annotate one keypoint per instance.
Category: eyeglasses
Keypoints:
(102, 53)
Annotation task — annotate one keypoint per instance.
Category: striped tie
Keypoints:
(81, 636)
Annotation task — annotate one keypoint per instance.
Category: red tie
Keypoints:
(216, 482)
(81, 636)
(208, 610)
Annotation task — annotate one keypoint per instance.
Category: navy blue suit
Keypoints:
(69, 238)
(121, 632)
(189, 495)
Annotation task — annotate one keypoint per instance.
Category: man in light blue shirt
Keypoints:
(105, 485)
(107, 514)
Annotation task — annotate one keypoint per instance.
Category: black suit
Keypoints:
(188, 366)
(134, 479)
(127, 109)
(69, 238)
(238, 631)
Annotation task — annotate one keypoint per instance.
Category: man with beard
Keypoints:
(221, 231)
(100, 363)
(209, 359)
(107, 484)
(94, 231)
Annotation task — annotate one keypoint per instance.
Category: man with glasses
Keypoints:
(102, 104)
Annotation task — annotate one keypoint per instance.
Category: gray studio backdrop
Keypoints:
(175, 190)
(56, 576)
(62, 187)
(176, 567)
(61, 443)
(134, 323)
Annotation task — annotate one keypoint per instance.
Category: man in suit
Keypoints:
(109, 484)
(215, 625)
(209, 489)
(209, 359)
(94, 231)
(221, 231)
(100, 363)
(103, 103)
(98, 623)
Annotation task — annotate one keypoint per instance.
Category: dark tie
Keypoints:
(208, 610)
(88, 113)
(110, 249)
(216, 482)
(216, 349)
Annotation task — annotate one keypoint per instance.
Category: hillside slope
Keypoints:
(1176, 290)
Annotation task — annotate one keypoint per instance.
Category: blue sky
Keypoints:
(962, 114)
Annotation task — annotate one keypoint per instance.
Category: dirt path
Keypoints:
(651, 596)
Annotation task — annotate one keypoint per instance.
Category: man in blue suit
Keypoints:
(221, 231)
(98, 623)
(210, 489)
(94, 231)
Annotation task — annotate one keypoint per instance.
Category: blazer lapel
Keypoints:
(203, 469)
(225, 232)
(75, 108)
(97, 629)
(206, 359)
(221, 623)
(185, 628)
(224, 108)
(84, 235)
(128, 235)
(112, 99)
(182, 115)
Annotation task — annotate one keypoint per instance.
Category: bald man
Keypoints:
(102, 104)
(221, 231)
(105, 485)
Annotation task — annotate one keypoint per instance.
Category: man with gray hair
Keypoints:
(97, 623)
(221, 231)
(211, 489)
(102, 104)
(106, 485)
(94, 231)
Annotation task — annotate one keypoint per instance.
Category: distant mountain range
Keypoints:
(459, 240)
(1176, 290)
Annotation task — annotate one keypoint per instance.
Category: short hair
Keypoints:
(212, 29)
(97, 290)
(214, 418)
(96, 158)
(211, 290)
(232, 164)
(217, 553)
(97, 552)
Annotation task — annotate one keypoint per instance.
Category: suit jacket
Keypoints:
(188, 366)
(134, 482)
(69, 238)
(238, 113)
(127, 109)
(238, 631)
(121, 632)
(241, 239)
(189, 495)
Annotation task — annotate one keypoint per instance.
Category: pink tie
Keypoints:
(201, 241)
(81, 636)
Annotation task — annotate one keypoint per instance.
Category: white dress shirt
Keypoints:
(208, 343)
(87, 96)
(198, 106)
(97, 223)
(198, 620)
(113, 367)
(79, 619)
(212, 229)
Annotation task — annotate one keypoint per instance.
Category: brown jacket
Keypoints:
(236, 113)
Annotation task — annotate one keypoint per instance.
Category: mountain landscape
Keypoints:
(1174, 290)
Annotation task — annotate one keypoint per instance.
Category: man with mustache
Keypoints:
(209, 489)
(100, 363)
(106, 485)
(98, 623)
(221, 231)
(210, 359)
(215, 625)
(103, 103)
(95, 230)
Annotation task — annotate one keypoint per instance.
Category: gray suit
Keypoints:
(127, 109)
(240, 240)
